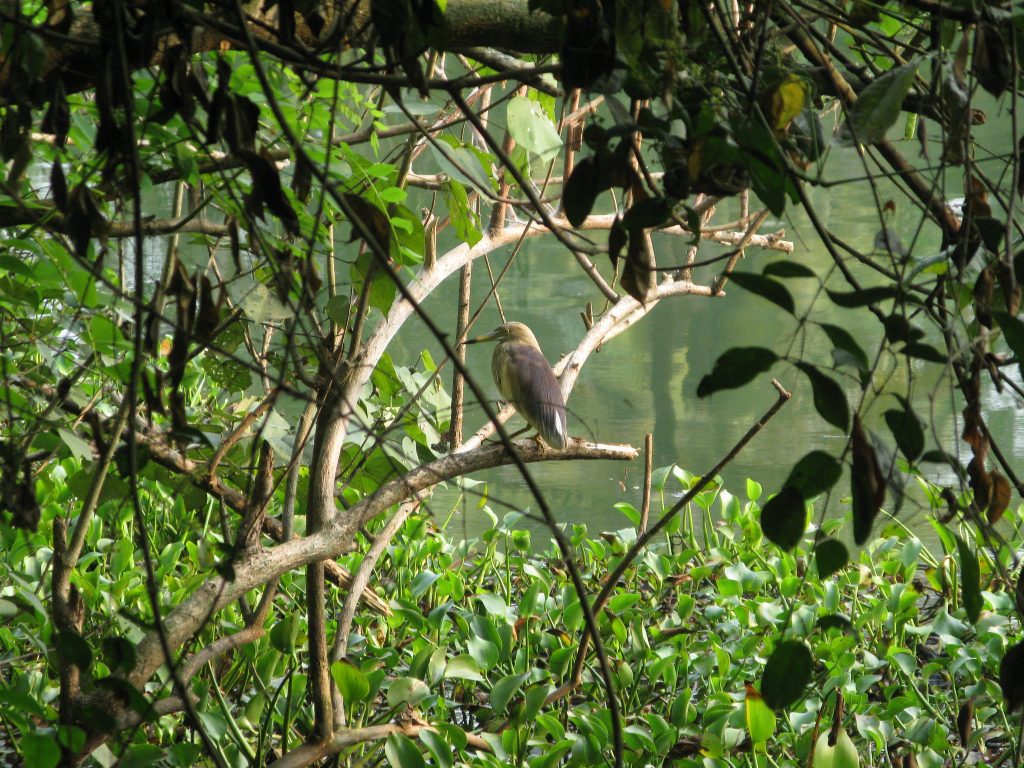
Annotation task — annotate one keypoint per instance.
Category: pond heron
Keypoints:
(525, 380)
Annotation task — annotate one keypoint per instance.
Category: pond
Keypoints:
(645, 380)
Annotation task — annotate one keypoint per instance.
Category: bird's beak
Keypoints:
(486, 337)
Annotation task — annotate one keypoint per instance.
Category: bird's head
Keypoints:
(509, 332)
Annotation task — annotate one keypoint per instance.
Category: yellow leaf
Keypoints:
(788, 100)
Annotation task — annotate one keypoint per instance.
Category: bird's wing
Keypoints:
(532, 388)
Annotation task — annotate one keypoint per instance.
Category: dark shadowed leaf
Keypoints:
(784, 518)
(650, 212)
(925, 352)
(1013, 332)
(854, 299)
(783, 268)
(815, 473)
(617, 239)
(849, 351)
(829, 556)
(786, 674)
(939, 457)
(835, 621)
(766, 288)
(907, 429)
(829, 398)
(879, 106)
(1011, 677)
(118, 653)
(735, 367)
(970, 579)
(581, 191)
(867, 486)
(73, 648)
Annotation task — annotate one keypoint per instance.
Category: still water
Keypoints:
(645, 380)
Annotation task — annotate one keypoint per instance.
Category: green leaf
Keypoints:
(863, 297)
(40, 750)
(284, 634)
(815, 473)
(879, 106)
(79, 448)
(407, 690)
(461, 214)
(352, 683)
(970, 579)
(337, 308)
(829, 398)
(532, 129)
(401, 752)
(760, 718)
(830, 555)
(784, 518)
(735, 367)
(484, 652)
(766, 288)
(786, 674)
(439, 748)
(141, 755)
(907, 430)
(504, 689)
(462, 667)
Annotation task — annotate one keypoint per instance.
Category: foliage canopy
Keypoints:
(217, 217)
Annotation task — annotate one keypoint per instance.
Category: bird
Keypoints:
(525, 379)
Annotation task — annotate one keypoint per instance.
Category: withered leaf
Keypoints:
(1011, 677)
(999, 498)
(617, 239)
(59, 186)
(965, 722)
(991, 59)
(57, 119)
(638, 275)
(980, 481)
(368, 222)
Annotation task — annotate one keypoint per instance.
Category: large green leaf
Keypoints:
(879, 106)
(402, 752)
(970, 579)
(532, 129)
